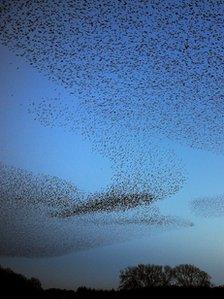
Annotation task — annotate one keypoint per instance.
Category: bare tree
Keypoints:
(145, 276)
(190, 276)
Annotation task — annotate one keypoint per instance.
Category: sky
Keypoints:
(177, 138)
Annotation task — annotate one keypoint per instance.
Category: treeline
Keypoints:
(148, 276)
(141, 280)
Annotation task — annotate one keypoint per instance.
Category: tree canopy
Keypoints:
(147, 276)
(190, 276)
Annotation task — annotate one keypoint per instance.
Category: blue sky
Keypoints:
(108, 72)
(27, 144)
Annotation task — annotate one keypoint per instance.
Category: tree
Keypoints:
(145, 276)
(190, 276)
(17, 285)
(35, 283)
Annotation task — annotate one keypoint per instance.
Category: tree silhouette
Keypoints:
(190, 276)
(17, 285)
(139, 280)
(145, 276)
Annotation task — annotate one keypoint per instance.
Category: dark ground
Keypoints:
(13, 285)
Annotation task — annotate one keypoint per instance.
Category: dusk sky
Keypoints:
(111, 139)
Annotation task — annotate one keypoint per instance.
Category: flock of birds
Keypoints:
(210, 206)
(149, 65)
(32, 223)
(134, 71)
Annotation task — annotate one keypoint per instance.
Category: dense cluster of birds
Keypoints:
(146, 65)
(24, 187)
(28, 227)
(134, 70)
(210, 206)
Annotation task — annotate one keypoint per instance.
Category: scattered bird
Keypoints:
(210, 206)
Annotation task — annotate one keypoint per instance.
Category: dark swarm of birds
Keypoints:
(135, 71)
(35, 212)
